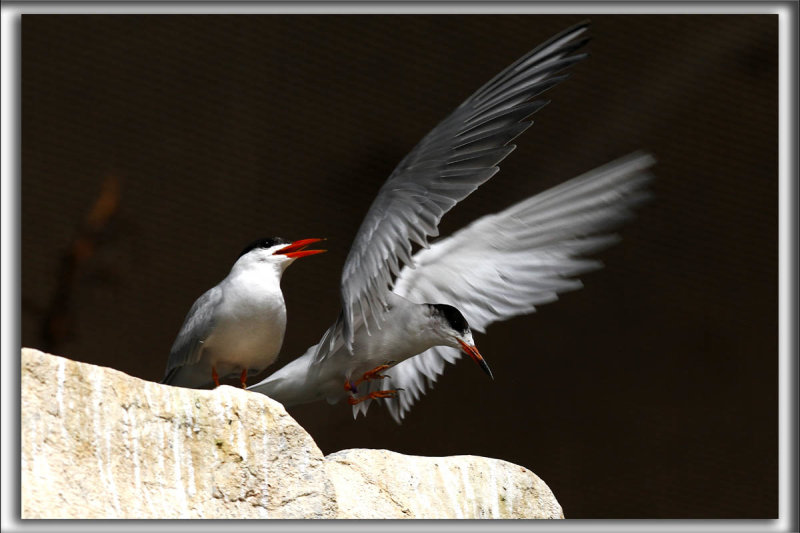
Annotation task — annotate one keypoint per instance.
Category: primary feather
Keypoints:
(508, 263)
(448, 164)
(500, 266)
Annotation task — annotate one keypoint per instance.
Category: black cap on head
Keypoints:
(267, 242)
(453, 317)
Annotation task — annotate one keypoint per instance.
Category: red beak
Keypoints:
(476, 356)
(295, 250)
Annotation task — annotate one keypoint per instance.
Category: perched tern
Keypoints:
(238, 325)
(379, 328)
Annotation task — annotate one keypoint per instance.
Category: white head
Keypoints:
(274, 251)
(452, 329)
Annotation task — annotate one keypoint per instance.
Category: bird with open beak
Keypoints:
(237, 326)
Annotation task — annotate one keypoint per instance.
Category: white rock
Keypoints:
(385, 484)
(97, 443)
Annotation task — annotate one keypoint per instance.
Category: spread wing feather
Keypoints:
(448, 164)
(508, 263)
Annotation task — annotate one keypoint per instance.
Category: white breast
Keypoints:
(249, 324)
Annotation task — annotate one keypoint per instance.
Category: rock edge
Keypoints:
(97, 443)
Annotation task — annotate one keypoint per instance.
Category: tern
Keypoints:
(238, 325)
(383, 322)
(500, 266)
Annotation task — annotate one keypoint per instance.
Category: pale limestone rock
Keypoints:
(97, 443)
(385, 484)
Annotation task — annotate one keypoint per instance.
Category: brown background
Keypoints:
(652, 392)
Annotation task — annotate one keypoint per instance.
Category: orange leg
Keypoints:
(243, 378)
(369, 375)
(214, 376)
(375, 373)
(374, 396)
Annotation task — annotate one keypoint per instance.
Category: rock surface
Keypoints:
(97, 443)
(384, 484)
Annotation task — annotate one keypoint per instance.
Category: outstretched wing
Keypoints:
(506, 264)
(448, 164)
(196, 327)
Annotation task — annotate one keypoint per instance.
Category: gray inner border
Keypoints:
(788, 200)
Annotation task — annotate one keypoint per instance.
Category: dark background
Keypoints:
(651, 393)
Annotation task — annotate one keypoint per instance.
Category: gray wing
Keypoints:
(448, 164)
(197, 325)
(506, 264)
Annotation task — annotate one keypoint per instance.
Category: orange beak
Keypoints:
(295, 250)
(476, 356)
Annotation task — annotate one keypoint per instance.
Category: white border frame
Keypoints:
(788, 224)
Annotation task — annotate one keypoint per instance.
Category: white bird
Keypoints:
(378, 328)
(238, 325)
(498, 267)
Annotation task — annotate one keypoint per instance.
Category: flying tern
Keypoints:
(383, 322)
(500, 266)
(238, 325)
